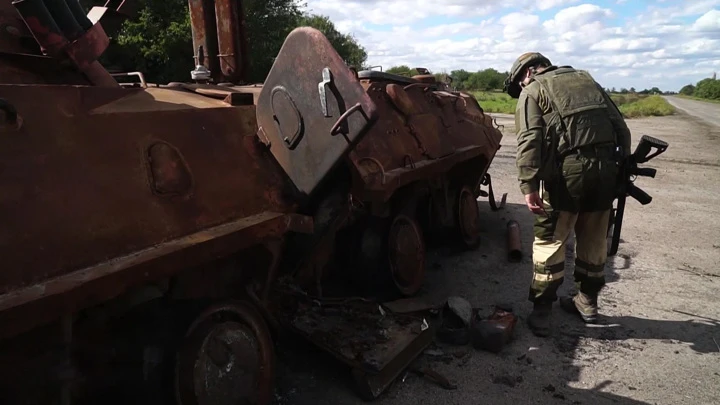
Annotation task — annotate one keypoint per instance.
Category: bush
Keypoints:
(647, 106)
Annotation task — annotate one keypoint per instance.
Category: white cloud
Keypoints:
(666, 45)
(709, 22)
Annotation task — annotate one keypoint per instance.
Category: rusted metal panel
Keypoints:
(389, 142)
(421, 132)
(48, 299)
(35, 69)
(312, 109)
(91, 178)
(426, 125)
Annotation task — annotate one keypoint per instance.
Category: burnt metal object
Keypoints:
(154, 205)
(493, 333)
(456, 320)
(378, 345)
(231, 47)
(406, 255)
(65, 19)
(306, 143)
(513, 241)
(422, 132)
(66, 39)
(218, 29)
(110, 16)
(226, 358)
(79, 14)
(487, 181)
(468, 217)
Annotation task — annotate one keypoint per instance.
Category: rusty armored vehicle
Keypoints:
(154, 238)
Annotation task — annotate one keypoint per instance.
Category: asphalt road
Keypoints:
(657, 341)
(706, 111)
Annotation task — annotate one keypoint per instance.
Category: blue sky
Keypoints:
(623, 43)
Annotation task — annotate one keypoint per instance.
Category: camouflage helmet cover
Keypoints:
(521, 63)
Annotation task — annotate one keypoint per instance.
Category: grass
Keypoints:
(631, 105)
(646, 107)
(495, 102)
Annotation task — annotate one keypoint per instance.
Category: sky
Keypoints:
(622, 43)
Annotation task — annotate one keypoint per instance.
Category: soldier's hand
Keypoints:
(535, 203)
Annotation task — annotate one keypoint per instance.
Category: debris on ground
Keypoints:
(456, 319)
(493, 333)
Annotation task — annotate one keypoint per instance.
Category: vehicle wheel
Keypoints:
(226, 358)
(406, 255)
(467, 216)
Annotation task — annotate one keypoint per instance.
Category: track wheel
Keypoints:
(468, 218)
(226, 358)
(406, 255)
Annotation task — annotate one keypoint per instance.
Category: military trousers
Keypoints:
(549, 254)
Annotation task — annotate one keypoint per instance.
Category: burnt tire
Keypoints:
(227, 357)
(467, 219)
(406, 255)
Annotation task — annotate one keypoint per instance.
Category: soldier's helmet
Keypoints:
(512, 86)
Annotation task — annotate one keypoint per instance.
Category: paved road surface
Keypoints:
(657, 342)
(708, 112)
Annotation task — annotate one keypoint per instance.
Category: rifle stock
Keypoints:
(628, 171)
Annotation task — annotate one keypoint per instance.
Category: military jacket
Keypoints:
(561, 111)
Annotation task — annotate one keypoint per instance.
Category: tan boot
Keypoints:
(583, 305)
(539, 319)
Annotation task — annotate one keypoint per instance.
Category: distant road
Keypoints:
(708, 112)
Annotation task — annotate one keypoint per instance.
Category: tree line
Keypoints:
(707, 88)
(158, 40)
(493, 80)
(482, 80)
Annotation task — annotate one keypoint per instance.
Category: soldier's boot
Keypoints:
(539, 319)
(581, 304)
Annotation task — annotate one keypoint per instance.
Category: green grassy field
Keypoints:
(631, 105)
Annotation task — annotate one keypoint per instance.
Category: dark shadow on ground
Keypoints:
(517, 375)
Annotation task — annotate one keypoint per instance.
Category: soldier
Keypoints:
(568, 130)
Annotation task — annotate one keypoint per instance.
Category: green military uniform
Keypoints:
(567, 131)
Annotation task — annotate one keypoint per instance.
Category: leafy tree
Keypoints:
(688, 90)
(345, 45)
(460, 78)
(488, 79)
(708, 88)
(158, 41)
(402, 70)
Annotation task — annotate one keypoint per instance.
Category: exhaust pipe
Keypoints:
(513, 241)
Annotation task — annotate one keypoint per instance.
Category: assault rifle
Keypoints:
(629, 170)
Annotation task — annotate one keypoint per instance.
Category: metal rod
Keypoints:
(513, 241)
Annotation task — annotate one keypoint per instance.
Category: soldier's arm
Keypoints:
(618, 123)
(530, 126)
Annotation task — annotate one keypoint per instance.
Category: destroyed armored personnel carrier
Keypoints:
(153, 234)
